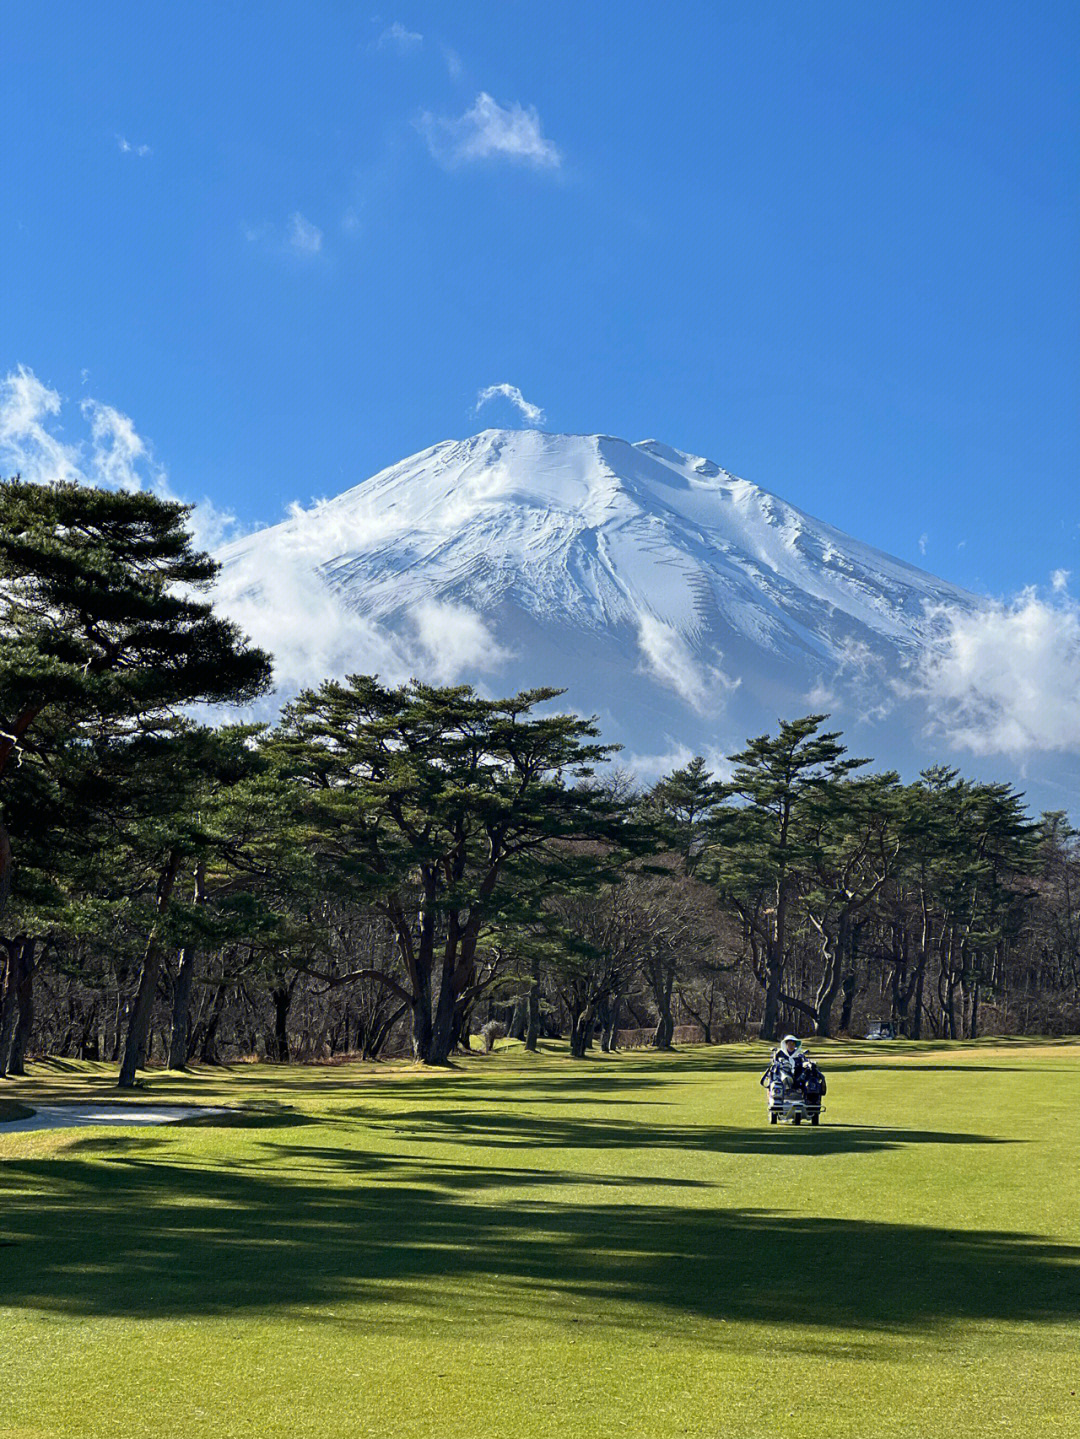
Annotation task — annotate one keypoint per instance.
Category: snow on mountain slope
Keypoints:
(685, 606)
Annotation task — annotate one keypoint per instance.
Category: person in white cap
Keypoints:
(790, 1059)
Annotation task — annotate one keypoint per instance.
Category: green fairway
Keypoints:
(532, 1246)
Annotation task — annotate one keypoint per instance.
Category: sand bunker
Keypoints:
(73, 1116)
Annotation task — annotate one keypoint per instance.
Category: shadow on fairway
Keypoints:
(129, 1227)
(491, 1129)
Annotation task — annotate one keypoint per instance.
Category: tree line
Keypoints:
(398, 867)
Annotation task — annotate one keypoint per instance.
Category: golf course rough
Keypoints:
(532, 1246)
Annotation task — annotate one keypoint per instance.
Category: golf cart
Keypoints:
(794, 1096)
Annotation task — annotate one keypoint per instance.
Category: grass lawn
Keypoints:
(529, 1246)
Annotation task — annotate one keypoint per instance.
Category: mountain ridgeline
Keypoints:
(683, 606)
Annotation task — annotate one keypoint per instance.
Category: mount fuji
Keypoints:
(683, 606)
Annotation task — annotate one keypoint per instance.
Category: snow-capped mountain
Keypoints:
(685, 607)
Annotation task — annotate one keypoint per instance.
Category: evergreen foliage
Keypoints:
(398, 864)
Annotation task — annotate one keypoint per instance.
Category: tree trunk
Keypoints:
(138, 1028)
(581, 1032)
(281, 996)
(948, 997)
(209, 1050)
(847, 989)
(447, 1028)
(25, 1000)
(181, 1010)
(971, 1002)
(5, 867)
(185, 975)
(519, 1018)
(450, 1013)
(532, 1028)
(609, 1024)
(421, 1018)
(774, 966)
(9, 1005)
(90, 1043)
(914, 1030)
(662, 982)
(832, 948)
(770, 1019)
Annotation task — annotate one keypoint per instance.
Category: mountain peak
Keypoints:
(663, 591)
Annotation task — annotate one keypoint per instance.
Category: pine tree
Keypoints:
(445, 811)
(682, 802)
(760, 847)
(102, 618)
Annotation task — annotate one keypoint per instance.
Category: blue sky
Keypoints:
(832, 246)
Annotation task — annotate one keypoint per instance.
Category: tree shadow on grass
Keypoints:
(568, 1086)
(144, 1232)
(494, 1129)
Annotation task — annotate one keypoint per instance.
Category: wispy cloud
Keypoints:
(668, 658)
(119, 457)
(533, 413)
(110, 452)
(454, 640)
(924, 540)
(278, 593)
(454, 67)
(302, 237)
(1059, 581)
(1006, 677)
(126, 147)
(297, 237)
(28, 445)
(400, 38)
(278, 597)
(490, 131)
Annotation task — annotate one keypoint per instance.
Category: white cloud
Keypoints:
(302, 237)
(27, 444)
(1059, 581)
(669, 659)
(490, 131)
(858, 684)
(298, 237)
(398, 37)
(651, 767)
(127, 148)
(454, 639)
(278, 597)
(282, 593)
(924, 540)
(822, 696)
(1006, 677)
(212, 527)
(110, 453)
(283, 604)
(118, 451)
(533, 413)
(454, 66)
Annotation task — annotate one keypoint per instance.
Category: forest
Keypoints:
(409, 869)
